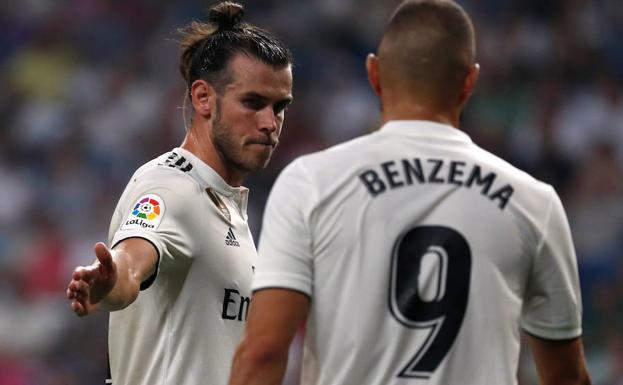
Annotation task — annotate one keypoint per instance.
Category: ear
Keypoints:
(202, 97)
(372, 67)
(469, 83)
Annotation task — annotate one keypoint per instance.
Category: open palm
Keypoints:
(90, 284)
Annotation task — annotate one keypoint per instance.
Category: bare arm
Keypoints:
(113, 281)
(262, 356)
(560, 362)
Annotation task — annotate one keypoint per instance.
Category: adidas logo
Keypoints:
(175, 160)
(230, 239)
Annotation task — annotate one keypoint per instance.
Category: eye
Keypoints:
(281, 107)
(254, 103)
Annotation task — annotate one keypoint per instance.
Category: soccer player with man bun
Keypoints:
(176, 270)
(415, 256)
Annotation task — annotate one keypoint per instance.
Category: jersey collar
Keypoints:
(424, 129)
(210, 178)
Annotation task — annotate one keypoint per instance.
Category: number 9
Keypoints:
(444, 310)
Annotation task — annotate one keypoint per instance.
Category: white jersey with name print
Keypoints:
(189, 317)
(423, 255)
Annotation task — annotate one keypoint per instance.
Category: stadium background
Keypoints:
(90, 90)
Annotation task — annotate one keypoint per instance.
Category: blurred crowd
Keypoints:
(91, 90)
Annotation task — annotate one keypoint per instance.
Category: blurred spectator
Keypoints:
(90, 91)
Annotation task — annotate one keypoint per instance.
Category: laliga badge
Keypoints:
(146, 214)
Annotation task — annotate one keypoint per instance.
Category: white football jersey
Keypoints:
(423, 255)
(189, 317)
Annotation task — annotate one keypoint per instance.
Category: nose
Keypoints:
(267, 120)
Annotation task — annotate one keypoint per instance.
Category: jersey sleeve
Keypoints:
(284, 253)
(155, 207)
(552, 307)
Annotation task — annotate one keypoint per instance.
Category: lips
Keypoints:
(264, 142)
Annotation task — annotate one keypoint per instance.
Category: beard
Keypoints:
(232, 150)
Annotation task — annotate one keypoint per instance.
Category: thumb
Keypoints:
(104, 256)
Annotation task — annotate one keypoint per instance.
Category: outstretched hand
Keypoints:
(89, 285)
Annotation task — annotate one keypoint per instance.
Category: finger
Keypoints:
(76, 285)
(103, 255)
(72, 295)
(79, 288)
(83, 273)
(78, 273)
(78, 308)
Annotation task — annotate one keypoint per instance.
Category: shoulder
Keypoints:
(342, 150)
(532, 199)
(170, 187)
(513, 173)
(170, 171)
(334, 159)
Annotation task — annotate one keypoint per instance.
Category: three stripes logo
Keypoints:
(230, 239)
(175, 160)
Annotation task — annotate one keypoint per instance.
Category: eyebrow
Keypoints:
(252, 94)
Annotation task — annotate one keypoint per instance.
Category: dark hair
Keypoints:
(207, 48)
(429, 43)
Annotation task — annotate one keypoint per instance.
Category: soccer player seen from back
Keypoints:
(413, 255)
(177, 268)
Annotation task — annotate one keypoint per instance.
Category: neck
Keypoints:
(413, 110)
(198, 142)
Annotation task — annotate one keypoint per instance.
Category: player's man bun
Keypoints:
(207, 46)
(222, 17)
(226, 15)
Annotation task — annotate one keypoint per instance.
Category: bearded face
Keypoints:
(249, 114)
(246, 152)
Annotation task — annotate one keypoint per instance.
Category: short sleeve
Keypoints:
(156, 207)
(552, 307)
(284, 254)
